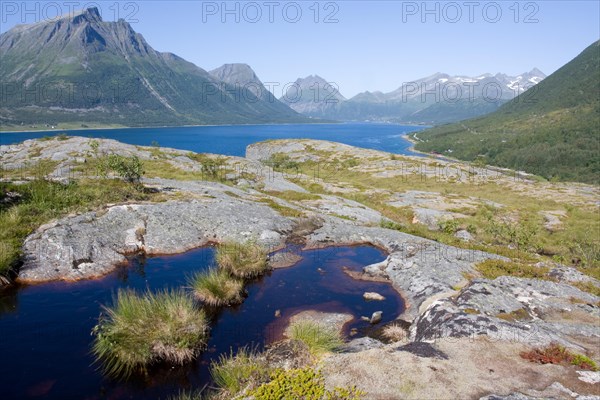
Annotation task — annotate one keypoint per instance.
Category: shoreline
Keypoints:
(106, 128)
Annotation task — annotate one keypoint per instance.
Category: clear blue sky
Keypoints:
(368, 45)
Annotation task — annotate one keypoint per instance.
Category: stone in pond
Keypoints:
(373, 296)
(376, 317)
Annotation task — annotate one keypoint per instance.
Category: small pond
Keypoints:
(45, 329)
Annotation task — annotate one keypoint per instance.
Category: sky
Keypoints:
(358, 45)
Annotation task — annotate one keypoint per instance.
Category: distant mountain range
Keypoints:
(551, 129)
(80, 69)
(439, 98)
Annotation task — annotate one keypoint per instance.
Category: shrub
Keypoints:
(491, 269)
(140, 330)
(130, 169)
(236, 373)
(216, 287)
(556, 354)
(304, 383)
(389, 224)
(242, 260)
(319, 338)
(281, 161)
(506, 231)
(449, 226)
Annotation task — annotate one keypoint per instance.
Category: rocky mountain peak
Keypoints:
(235, 73)
(88, 15)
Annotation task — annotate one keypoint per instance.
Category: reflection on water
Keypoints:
(45, 329)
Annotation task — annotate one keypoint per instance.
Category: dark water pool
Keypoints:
(45, 329)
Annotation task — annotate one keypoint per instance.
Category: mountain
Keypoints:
(439, 98)
(550, 130)
(80, 69)
(313, 96)
(247, 85)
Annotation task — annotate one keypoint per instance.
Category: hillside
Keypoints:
(550, 130)
(81, 69)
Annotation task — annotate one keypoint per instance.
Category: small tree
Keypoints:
(129, 169)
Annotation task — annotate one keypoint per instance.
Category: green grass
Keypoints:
(588, 286)
(291, 195)
(318, 338)
(517, 315)
(234, 373)
(216, 287)
(139, 330)
(492, 269)
(283, 210)
(43, 201)
(242, 260)
(305, 383)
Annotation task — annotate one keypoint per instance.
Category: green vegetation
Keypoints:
(234, 373)
(242, 260)
(40, 201)
(216, 287)
(320, 339)
(588, 286)
(283, 210)
(550, 130)
(130, 169)
(556, 354)
(141, 330)
(491, 269)
(281, 162)
(213, 168)
(516, 315)
(291, 195)
(305, 383)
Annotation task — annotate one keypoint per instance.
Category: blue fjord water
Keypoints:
(232, 139)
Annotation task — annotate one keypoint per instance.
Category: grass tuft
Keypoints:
(394, 333)
(139, 330)
(318, 338)
(234, 373)
(492, 269)
(216, 287)
(242, 260)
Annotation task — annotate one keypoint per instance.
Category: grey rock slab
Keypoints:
(423, 349)
(361, 344)
(476, 310)
(92, 244)
(417, 267)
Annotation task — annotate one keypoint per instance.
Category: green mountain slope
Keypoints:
(82, 69)
(552, 130)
